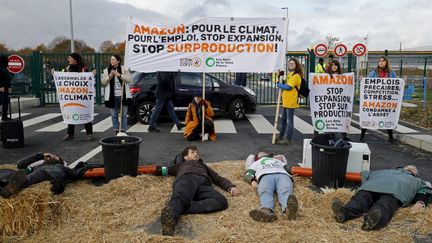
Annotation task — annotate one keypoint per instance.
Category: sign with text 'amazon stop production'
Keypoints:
(207, 45)
(380, 102)
(331, 101)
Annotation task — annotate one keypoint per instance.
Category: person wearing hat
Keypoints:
(320, 67)
(381, 193)
(76, 65)
(194, 116)
(269, 175)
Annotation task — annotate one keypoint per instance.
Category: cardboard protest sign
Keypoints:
(207, 45)
(380, 102)
(331, 101)
(75, 92)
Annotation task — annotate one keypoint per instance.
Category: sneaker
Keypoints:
(206, 136)
(371, 220)
(338, 210)
(168, 221)
(67, 137)
(116, 131)
(89, 137)
(153, 129)
(16, 182)
(180, 126)
(280, 141)
(292, 206)
(263, 215)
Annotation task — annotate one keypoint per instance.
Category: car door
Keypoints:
(187, 84)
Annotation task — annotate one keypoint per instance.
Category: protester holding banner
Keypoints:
(117, 95)
(165, 91)
(5, 86)
(329, 63)
(335, 68)
(76, 65)
(193, 120)
(383, 70)
(290, 100)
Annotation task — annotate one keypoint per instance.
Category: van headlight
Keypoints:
(251, 92)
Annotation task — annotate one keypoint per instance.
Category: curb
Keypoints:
(420, 141)
(25, 102)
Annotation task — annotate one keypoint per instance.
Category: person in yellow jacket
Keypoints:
(193, 120)
(321, 66)
(289, 100)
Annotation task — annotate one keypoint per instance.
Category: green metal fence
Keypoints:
(414, 67)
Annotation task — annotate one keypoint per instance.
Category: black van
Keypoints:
(225, 98)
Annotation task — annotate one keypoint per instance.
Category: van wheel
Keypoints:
(144, 111)
(236, 109)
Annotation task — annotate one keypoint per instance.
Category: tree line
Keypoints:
(61, 44)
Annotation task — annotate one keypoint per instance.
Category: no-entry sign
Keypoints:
(340, 50)
(359, 49)
(15, 64)
(320, 50)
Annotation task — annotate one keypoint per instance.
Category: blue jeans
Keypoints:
(290, 122)
(271, 183)
(160, 103)
(115, 113)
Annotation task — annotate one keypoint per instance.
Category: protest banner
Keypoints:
(331, 101)
(380, 102)
(207, 45)
(75, 92)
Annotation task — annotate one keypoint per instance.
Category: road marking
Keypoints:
(39, 119)
(138, 127)
(15, 115)
(302, 126)
(224, 126)
(86, 157)
(261, 124)
(54, 128)
(102, 126)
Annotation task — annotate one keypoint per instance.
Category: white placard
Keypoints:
(75, 92)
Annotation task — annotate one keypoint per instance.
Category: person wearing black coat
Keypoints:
(165, 91)
(5, 86)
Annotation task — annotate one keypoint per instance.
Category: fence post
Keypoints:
(311, 58)
(98, 78)
(37, 77)
(350, 59)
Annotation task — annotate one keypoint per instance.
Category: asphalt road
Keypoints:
(158, 148)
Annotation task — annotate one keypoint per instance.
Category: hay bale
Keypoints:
(126, 209)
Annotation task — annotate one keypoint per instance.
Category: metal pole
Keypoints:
(71, 27)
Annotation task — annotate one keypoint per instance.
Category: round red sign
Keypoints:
(340, 50)
(320, 50)
(359, 49)
(15, 64)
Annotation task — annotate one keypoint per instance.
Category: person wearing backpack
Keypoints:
(290, 94)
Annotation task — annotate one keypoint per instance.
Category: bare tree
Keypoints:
(107, 47)
(3, 48)
(331, 41)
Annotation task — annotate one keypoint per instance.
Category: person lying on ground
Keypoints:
(267, 173)
(192, 190)
(38, 168)
(381, 193)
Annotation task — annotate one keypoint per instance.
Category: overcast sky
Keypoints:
(387, 23)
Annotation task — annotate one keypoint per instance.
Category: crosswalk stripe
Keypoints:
(261, 124)
(54, 128)
(302, 126)
(39, 119)
(138, 127)
(15, 115)
(87, 156)
(400, 128)
(224, 126)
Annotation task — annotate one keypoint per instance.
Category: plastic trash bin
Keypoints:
(120, 156)
(329, 164)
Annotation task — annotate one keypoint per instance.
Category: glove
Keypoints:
(284, 86)
(281, 73)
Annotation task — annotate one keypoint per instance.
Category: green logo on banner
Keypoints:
(75, 117)
(319, 124)
(210, 62)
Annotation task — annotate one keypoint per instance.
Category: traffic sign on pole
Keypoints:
(340, 50)
(359, 49)
(15, 64)
(320, 50)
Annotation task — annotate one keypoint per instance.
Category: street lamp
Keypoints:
(286, 8)
(71, 27)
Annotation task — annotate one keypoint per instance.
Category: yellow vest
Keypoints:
(320, 68)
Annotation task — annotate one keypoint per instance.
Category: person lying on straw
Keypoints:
(267, 173)
(38, 168)
(192, 189)
(381, 193)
